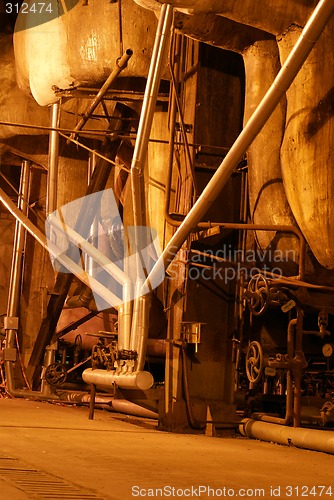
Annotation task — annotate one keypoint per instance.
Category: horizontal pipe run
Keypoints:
(313, 29)
(309, 439)
(125, 380)
(130, 408)
(109, 403)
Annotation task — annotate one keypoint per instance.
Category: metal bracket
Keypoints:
(191, 332)
(11, 323)
(9, 354)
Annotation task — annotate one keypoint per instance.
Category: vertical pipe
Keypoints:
(139, 329)
(146, 116)
(13, 307)
(53, 160)
(298, 370)
(18, 253)
(310, 34)
(172, 120)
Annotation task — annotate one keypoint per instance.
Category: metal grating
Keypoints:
(39, 484)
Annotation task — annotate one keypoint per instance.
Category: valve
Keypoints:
(254, 362)
(257, 294)
(55, 374)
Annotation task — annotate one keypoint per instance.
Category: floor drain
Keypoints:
(39, 484)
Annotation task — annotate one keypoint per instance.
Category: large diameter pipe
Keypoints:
(309, 439)
(310, 34)
(127, 380)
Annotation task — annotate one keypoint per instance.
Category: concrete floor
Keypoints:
(54, 451)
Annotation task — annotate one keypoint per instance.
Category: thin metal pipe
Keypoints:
(267, 227)
(282, 82)
(139, 329)
(297, 407)
(172, 121)
(51, 200)
(184, 133)
(13, 307)
(121, 64)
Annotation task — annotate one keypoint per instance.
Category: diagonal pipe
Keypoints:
(309, 36)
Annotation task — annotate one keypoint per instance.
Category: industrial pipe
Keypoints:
(51, 198)
(148, 109)
(13, 307)
(297, 372)
(282, 82)
(125, 380)
(121, 64)
(109, 403)
(108, 266)
(112, 269)
(139, 329)
(289, 388)
(309, 439)
(54, 251)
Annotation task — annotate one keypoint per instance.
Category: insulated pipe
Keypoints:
(109, 403)
(142, 330)
(51, 198)
(125, 380)
(121, 64)
(309, 439)
(146, 116)
(139, 329)
(130, 408)
(282, 82)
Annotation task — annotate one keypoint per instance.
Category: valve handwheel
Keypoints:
(258, 294)
(55, 374)
(254, 362)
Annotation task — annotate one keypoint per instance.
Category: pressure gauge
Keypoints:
(328, 350)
